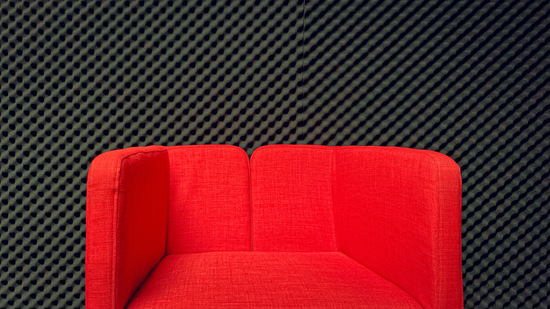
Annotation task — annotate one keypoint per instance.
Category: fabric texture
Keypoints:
(267, 280)
(209, 199)
(126, 215)
(398, 213)
(292, 199)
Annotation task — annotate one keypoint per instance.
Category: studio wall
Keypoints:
(469, 79)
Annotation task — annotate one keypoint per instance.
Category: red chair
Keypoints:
(295, 226)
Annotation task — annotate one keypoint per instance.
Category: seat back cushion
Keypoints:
(292, 198)
(209, 199)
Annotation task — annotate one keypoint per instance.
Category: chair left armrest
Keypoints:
(126, 220)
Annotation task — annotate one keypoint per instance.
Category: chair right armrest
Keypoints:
(398, 212)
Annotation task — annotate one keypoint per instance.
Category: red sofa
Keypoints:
(295, 226)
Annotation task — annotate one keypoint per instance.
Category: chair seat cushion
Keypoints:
(267, 280)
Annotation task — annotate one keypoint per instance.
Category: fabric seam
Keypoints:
(385, 278)
(249, 163)
(332, 191)
(169, 202)
(436, 230)
(114, 226)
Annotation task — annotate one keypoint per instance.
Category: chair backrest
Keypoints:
(209, 199)
(292, 204)
(212, 186)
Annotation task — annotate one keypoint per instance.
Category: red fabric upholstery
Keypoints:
(267, 280)
(209, 199)
(398, 213)
(302, 226)
(292, 199)
(126, 214)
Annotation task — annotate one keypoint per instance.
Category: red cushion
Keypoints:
(292, 199)
(267, 280)
(209, 199)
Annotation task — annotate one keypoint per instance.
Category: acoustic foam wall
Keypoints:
(467, 78)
